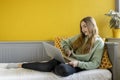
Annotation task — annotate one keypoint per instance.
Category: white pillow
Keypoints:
(3, 65)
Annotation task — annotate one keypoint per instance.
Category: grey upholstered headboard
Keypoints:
(13, 52)
(113, 51)
(116, 57)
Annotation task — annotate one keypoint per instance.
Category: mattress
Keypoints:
(27, 74)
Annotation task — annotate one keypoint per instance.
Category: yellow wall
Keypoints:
(46, 19)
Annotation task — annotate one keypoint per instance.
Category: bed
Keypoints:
(28, 51)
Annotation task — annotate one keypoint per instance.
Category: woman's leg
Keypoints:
(65, 70)
(44, 66)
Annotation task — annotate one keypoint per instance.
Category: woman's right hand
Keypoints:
(68, 52)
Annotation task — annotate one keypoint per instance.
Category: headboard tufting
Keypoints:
(22, 51)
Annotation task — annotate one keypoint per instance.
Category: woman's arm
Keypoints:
(67, 45)
(95, 58)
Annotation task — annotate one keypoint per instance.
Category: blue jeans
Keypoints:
(66, 70)
(55, 66)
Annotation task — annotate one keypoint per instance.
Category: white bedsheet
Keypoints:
(26, 74)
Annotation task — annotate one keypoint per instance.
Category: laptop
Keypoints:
(54, 52)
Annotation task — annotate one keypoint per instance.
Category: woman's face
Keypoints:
(84, 28)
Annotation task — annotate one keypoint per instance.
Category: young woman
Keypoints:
(86, 48)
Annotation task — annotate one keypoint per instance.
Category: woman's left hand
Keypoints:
(73, 63)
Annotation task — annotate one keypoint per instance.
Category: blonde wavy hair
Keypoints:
(93, 29)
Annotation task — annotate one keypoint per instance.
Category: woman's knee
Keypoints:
(64, 70)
